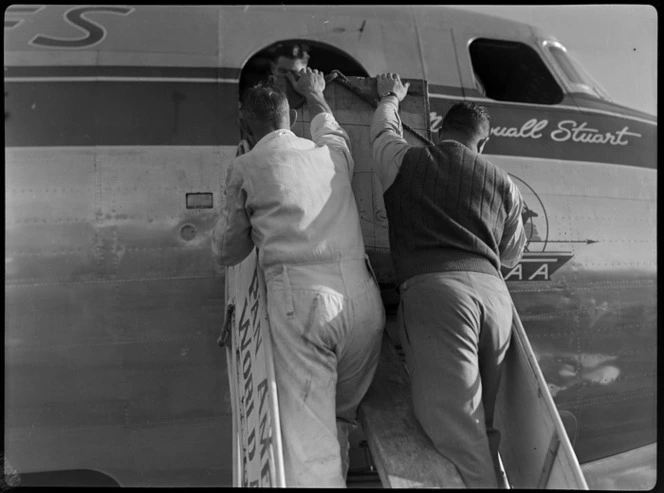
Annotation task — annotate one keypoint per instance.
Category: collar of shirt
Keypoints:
(450, 140)
(454, 141)
(272, 135)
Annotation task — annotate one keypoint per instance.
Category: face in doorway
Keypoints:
(283, 65)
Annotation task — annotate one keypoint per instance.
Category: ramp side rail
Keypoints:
(535, 450)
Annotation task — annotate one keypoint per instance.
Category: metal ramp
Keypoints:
(535, 450)
(403, 455)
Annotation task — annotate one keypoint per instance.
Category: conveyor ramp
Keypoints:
(535, 450)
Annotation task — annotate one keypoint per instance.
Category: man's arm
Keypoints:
(513, 241)
(325, 130)
(387, 143)
(231, 238)
(311, 85)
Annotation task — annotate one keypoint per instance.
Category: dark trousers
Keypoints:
(455, 328)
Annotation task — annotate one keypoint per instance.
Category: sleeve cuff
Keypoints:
(320, 120)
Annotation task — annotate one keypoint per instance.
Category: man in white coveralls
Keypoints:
(292, 199)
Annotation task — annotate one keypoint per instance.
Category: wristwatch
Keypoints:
(391, 93)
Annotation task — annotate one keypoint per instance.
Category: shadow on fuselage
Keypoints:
(69, 477)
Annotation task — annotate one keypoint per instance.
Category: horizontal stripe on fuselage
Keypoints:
(136, 72)
(83, 106)
(562, 133)
(120, 113)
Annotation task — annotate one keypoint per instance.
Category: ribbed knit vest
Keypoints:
(446, 211)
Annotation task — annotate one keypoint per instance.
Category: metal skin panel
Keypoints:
(110, 311)
(53, 209)
(592, 324)
(93, 395)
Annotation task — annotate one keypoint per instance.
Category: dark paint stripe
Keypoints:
(189, 113)
(120, 113)
(11, 23)
(638, 151)
(583, 100)
(123, 71)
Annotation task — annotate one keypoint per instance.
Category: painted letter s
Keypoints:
(95, 32)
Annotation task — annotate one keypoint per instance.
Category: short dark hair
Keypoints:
(264, 102)
(292, 51)
(467, 118)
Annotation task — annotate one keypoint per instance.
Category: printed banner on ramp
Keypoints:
(257, 453)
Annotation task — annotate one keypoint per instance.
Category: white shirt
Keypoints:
(388, 150)
(291, 198)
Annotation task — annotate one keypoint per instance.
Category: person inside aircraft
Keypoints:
(286, 58)
(292, 199)
(273, 62)
(284, 54)
(454, 219)
(289, 58)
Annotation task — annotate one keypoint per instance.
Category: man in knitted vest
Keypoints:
(454, 219)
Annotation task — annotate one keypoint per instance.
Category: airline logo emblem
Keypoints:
(541, 258)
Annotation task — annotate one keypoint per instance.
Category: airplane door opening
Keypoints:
(322, 56)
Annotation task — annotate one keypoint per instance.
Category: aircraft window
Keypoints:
(511, 71)
(321, 56)
(577, 76)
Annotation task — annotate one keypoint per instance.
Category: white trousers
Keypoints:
(327, 322)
